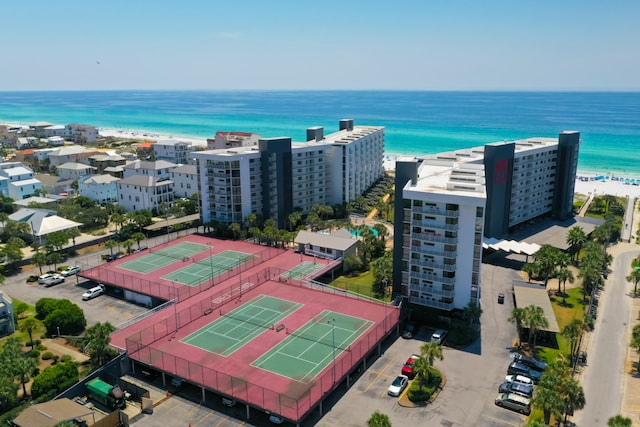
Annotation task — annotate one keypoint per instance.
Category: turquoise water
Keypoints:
(416, 122)
(356, 233)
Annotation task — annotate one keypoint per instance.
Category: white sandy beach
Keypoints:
(151, 136)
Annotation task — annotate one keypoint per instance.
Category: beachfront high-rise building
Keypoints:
(279, 176)
(446, 203)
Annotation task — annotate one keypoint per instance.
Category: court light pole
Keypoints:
(333, 339)
(240, 275)
(211, 261)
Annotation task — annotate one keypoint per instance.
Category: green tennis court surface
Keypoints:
(234, 329)
(302, 270)
(163, 257)
(205, 269)
(309, 349)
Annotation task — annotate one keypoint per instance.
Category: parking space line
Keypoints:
(195, 408)
(204, 418)
(501, 421)
(379, 374)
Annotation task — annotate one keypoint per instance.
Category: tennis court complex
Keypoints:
(308, 350)
(209, 267)
(301, 271)
(163, 257)
(237, 327)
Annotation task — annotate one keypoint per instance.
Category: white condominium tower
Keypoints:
(279, 177)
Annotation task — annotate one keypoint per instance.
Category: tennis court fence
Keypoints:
(293, 405)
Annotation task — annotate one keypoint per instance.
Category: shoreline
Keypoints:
(583, 184)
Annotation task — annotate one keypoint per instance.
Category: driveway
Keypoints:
(473, 374)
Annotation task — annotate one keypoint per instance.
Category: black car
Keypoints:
(529, 361)
(515, 387)
(410, 331)
(500, 298)
(517, 368)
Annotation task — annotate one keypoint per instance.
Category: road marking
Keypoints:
(378, 376)
(225, 418)
(193, 409)
(203, 418)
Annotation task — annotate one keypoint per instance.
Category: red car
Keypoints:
(407, 369)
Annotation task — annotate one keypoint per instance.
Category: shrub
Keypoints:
(60, 315)
(47, 356)
(32, 279)
(54, 379)
(65, 358)
(34, 353)
(40, 346)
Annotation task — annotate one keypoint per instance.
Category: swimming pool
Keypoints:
(356, 233)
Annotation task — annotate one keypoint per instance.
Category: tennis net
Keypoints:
(246, 319)
(317, 339)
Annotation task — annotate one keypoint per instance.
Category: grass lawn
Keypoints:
(565, 313)
(360, 284)
(29, 312)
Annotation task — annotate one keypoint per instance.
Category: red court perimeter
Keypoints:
(155, 340)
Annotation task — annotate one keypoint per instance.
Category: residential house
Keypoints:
(185, 180)
(159, 169)
(70, 153)
(101, 188)
(54, 130)
(137, 192)
(74, 170)
(144, 150)
(337, 245)
(105, 160)
(81, 134)
(54, 184)
(173, 151)
(21, 182)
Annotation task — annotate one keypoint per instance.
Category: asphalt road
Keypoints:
(603, 379)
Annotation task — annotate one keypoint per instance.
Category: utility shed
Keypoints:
(527, 294)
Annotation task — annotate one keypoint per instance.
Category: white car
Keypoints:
(53, 279)
(93, 292)
(439, 336)
(71, 271)
(518, 379)
(398, 385)
(44, 278)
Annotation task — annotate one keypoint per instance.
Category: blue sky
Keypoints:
(282, 44)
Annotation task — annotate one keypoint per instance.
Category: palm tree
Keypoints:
(572, 395)
(379, 419)
(563, 275)
(619, 421)
(573, 331)
(40, 259)
(96, 339)
(517, 317)
(634, 277)
(531, 269)
(73, 233)
(110, 244)
(54, 258)
(472, 312)
(635, 344)
(29, 325)
(548, 400)
(429, 352)
(137, 236)
(547, 258)
(575, 239)
(535, 321)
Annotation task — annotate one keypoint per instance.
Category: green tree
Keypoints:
(138, 237)
(55, 379)
(573, 331)
(54, 258)
(15, 364)
(429, 352)
(531, 269)
(72, 233)
(517, 317)
(235, 228)
(378, 419)
(635, 344)
(535, 320)
(576, 237)
(619, 421)
(382, 273)
(563, 275)
(548, 400)
(29, 325)
(13, 252)
(472, 312)
(128, 245)
(352, 263)
(57, 240)
(294, 219)
(547, 258)
(39, 259)
(96, 339)
(110, 244)
(634, 277)
(572, 395)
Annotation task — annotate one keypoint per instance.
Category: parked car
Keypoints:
(517, 368)
(500, 298)
(54, 279)
(518, 379)
(529, 361)
(44, 278)
(439, 336)
(398, 385)
(275, 419)
(407, 369)
(110, 257)
(410, 331)
(93, 292)
(140, 249)
(525, 390)
(70, 271)
(515, 402)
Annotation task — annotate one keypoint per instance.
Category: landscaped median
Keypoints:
(432, 390)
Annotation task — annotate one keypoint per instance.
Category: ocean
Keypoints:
(416, 122)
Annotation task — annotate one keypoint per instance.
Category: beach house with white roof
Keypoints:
(81, 134)
(224, 140)
(70, 153)
(158, 169)
(101, 188)
(54, 130)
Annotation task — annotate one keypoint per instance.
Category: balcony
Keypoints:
(435, 211)
(434, 291)
(432, 250)
(428, 302)
(433, 237)
(436, 225)
(433, 277)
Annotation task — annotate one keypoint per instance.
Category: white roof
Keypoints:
(512, 246)
(533, 294)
